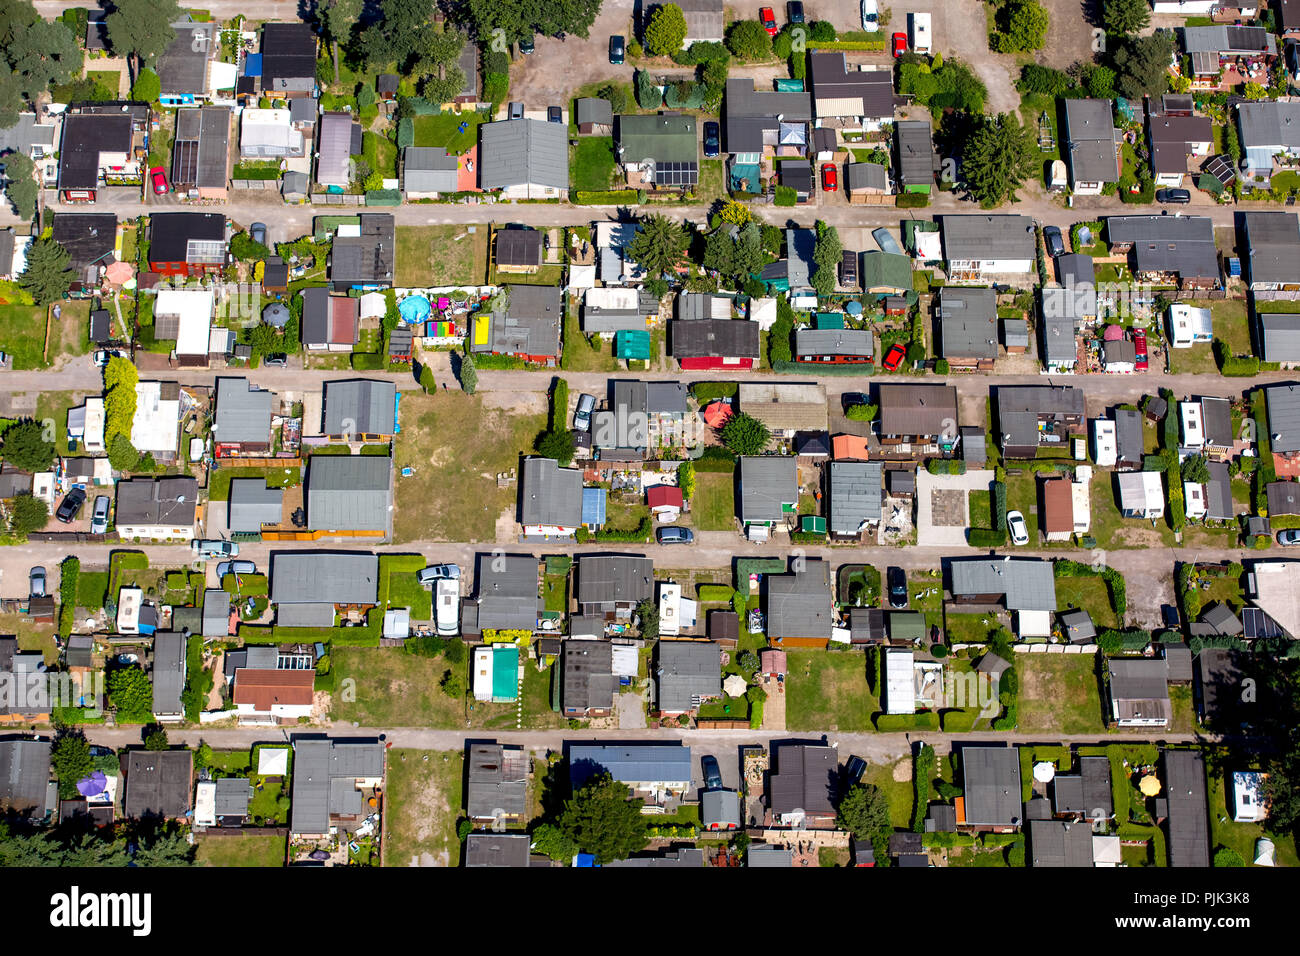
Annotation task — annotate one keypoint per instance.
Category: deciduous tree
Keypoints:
(745, 435)
(666, 30)
(1126, 16)
(142, 28)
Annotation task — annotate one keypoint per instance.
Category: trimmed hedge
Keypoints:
(613, 197)
(958, 721)
(714, 592)
(911, 201)
(897, 723)
(986, 538)
(946, 466)
(847, 45)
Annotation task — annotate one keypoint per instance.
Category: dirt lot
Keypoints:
(423, 802)
(548, 76)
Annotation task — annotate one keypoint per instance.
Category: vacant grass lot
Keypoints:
(241, 851)
(453, 443)
(828, 691)
(444, 130)
(1089, 593)
(591, 164)
(394, 689)
(899, 793)
(582, 355)
(441, 255)
(219, 479)
(22, 332)
(1059, 693)
(422, 805)
(713, 508)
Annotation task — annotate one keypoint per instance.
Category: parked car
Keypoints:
(1175, 196)
(436, 572)
(71, 505)
(1140, 347)
(794, 11)
(554, 114)
(853, 771)
(447, 606)
(99, 517)
(896, 583)
(894, 357)
(159, 180)
(849, 399)
(1055, 241)
(768, 19)
(1169, 614)
(235, 567)
(276, 360)
(674, 535)
(830, 178)
(616, 50)
(1289, 538)
(257, 232)
(898, 44)
(526, 47)
(1017, 528)
(582, 414)
(712, 775)
(36, 582)
(209, 548)
(712, 144)
(516, 110)
(101, 356)
(870, 16)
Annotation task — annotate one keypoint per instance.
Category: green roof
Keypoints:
(632, 344)
(830, 320)
(665, 139)
(906, 626)
(885, 270)
(814, 523)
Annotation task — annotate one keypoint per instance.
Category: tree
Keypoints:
(28, 514)
(520, 21)
(48, 274)
(647, 615)
(24, 446)
(745, 435)
(658, 245)
(551, 841)
(1195, 469)
(468, 375)
(1141, 65)
(666, 31)
(601, 820)
(243, 247)
(648, 94)
(337, 18)
(120, 380)
(400, 34)
(439, 63)
(142, 28)
(826, 255)
(20, 184)
(748, 40)
(1125, 17)
(748, 661)
(1000, 155)
(147, 87)
(130, 694)
(1026, 27)
(557, 444)
(155, 737)
(70, 758)
(36, 53)
(166, 846)
(864, 811)
(735, 213)
(615, 95)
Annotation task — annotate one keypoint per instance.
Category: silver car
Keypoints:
(36, 582)
(436, 572)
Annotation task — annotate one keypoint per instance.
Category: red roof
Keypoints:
(664, 496)
(344, 311)
(1058, 506)
(264, 688)
(849, 446)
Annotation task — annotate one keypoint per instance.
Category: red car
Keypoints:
(159, 179)
(894, 357)
(768, 19)
(1140, 346)
(899, 44)
(830, 178)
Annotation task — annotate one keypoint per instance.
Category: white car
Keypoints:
(870, 16)
(209, 548)
(1017, 528)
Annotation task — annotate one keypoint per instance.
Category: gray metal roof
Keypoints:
(243, 413)
(1280, 332)
(688, 671)
(517, 152)
(1189, 828)
(604, 578)
(359, 407)
(856, 342)
(598, 319)
(349, 492)
(497, 849)
(1084, 792)
(1060, 843)
(497, 781)
(253, 504)
(232, 797)
(507, 592)
(1283, 417)
(751, 113)
(1090, 141)
(1128, 435)
(325, 772)
(1059, 343)
(799, 603)
(991, 782)
(216, 613)
(632, 765)
(767, 483)
(855, 495)
(201, 149)
(183, 65)
(799, 247)
(324, 577)
(1272, 246)
(429, 169)
(24, 774)
(159, 783)
(1218, 494)
(988, 237)
(1027, 583)
(317, 614)
(1015, 333)
(833, 84)
(165, 501)
(968, 323)
(866, 176)
(549, 494)
(1074, 269)
(1139, 681)
(917, 409)
(593, 110)
(26, 133)
(806, 778)
(587, 672)
(1179, 244)
(914, 146)
(720, 807)
(1228, 40)
(1269, 125)
(334, 149)
(530, 324)
(368, 258)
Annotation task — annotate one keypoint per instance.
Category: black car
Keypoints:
(897, 582)
(794, 11)
(711, 141)
(712, 775)
(853, 771)
(71, 505)
(1055, 242)
(526, 47)
(554, 114)
(1180, 197)
(849, 399)
(616, 51)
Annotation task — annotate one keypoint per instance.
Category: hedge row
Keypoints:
(847, 45)
(986, 538)
(614, 197)
(897, 723)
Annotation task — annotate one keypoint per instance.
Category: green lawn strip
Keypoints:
(1059, 693)
(22, 330)
(241, 851)
(713, 507)
(443, 129)
(1090, 593)
(592, 164)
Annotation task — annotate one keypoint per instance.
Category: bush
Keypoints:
(701, 52)
(941, 367)
(861, 413)
(496, 87)
(147, 87)
(946, 466)
(785, 196)
(748, 40)
(911, 201)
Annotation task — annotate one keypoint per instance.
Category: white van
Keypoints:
(920, 32)
(447, 608)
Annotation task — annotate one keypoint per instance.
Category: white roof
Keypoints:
(929, 245)
(900, 686)
(1141, 491)
(1276, 594)
(1081, 500)
(195, 310)
(373, 305)
(94, 430)
(268, 128)
(625, 662)
(221, 76)
(582, 277)
(1248, 803)
(763, 311)
(1106, 851)
(1193, 424)
(1194, 496)
(483, 673)
(19, 261)
(397, 622)
(205, 804)
(1187, 320)
(128, 609)
(1034, 623)
(273, 761)
(670, 601)
(1104, 442)
(628, 299)
(155, 427)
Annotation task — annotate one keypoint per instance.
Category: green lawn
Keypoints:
(241, 851)
(1241, 837)
(591, 163)
(219, 480)
(827, 690)
(713, 508)
(395, 689)
(444, 130)
(22, 335)
(969, 628)
(441, 255)
(899, 793)
(1022, 496)
(1090, 593)
(1059, 693)
(422, 805)
(711, 180)
(583, 355)
(381, 153)
(92, 588)
(980, 509)
(556, 592)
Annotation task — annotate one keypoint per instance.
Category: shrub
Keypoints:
(785, 196)
(709, 593)
(861, 413)
(748, 40)
(941, 366)
(911, 201)
(496, 87)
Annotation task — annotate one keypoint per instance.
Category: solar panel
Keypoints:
(185, 161)
(677, 174)
(1257, 624)
(205, 250)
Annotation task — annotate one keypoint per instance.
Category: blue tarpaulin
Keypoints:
(397, 408)
(253, 64)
